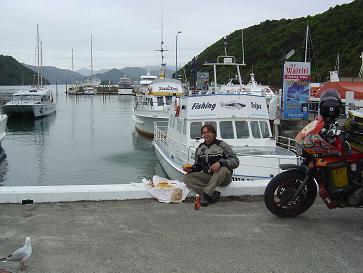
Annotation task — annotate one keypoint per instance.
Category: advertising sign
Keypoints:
(296, 90)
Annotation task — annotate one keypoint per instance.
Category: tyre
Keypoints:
(280, 190)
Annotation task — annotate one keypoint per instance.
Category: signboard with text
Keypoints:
(296, 90)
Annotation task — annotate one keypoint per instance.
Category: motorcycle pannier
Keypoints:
(353, 126)
(337, 174)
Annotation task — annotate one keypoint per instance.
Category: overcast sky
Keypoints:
(127, 32)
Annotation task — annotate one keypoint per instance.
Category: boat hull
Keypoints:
(124, 91)
(31, 110)
(3, 120)
(144, 120)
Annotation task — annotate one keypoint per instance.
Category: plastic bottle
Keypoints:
(197, 202)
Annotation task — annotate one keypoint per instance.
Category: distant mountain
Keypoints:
(58, 75)
(14, 73)
(87, 72)
(339, 30)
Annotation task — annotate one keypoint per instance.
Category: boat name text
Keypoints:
(163, 88)
(256, 105)
(203, 105)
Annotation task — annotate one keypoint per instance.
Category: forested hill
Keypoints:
(14, 73)
(336, 31)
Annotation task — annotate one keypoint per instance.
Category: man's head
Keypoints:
(208, 132)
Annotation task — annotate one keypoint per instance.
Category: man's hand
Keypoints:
(187, 168)
(215, 167)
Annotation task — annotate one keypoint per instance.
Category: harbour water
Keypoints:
(90, 140)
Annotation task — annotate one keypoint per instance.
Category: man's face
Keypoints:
(208, 135)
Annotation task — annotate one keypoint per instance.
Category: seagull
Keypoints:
(20, 255)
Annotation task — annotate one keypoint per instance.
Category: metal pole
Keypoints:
(176, 54)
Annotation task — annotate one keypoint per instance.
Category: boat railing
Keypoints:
(178, 149)
(287, 143)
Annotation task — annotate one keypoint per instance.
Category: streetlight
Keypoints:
(176, 54)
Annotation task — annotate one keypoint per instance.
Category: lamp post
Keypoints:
(176, 54)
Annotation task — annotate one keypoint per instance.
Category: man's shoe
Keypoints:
(204, 199)
(215, 197)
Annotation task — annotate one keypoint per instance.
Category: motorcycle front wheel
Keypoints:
(279, 192)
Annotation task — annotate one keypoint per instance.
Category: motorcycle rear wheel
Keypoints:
(280, 190)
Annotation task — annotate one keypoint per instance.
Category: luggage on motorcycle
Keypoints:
(353, 128)
(337, 174)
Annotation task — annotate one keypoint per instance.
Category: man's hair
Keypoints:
(210, 128)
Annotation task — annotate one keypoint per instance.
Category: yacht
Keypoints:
(241, 120)
(36, 102)
(143, 85)
(124, 86)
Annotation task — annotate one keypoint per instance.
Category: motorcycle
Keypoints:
(332, 165)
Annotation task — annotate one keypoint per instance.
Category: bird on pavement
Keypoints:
(20, 255)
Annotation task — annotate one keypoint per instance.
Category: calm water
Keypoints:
(90, 140)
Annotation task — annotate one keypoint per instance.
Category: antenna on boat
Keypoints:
(243, 49)
(360, 75)
(225, 43)
(163, 64)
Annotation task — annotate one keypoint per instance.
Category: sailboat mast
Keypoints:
(38, 49)
(41, 63)
(72, 61)
(91, 63)
(163, 64)
(243, 50)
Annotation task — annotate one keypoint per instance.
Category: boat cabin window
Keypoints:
(264, 129)
(195, 129)
(242, 129)
(160, 101)
(255, 129)
(168, 100)
(150, 101)
(226, 129)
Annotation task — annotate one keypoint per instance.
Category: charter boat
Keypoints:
(35, 103)
(124, 86)
(241, 120)
(155, 103)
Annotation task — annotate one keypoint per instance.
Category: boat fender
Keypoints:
(176, 108)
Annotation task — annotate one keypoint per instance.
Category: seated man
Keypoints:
(214, 162)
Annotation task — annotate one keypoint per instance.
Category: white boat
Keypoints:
(154, 105)
(143, 84)
(3, 120)
(89, 90)
(36, 102)
(124, 86)
(241, 120)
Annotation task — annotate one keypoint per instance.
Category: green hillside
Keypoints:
(336, 31)
(14, 73)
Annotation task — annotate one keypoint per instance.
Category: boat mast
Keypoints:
(163, 64)
(41, 63)
(38, 49)
(243, 50)
(91, 64)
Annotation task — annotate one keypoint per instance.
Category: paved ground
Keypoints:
(147, 236)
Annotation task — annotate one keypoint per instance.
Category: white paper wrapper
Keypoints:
(165, 190)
